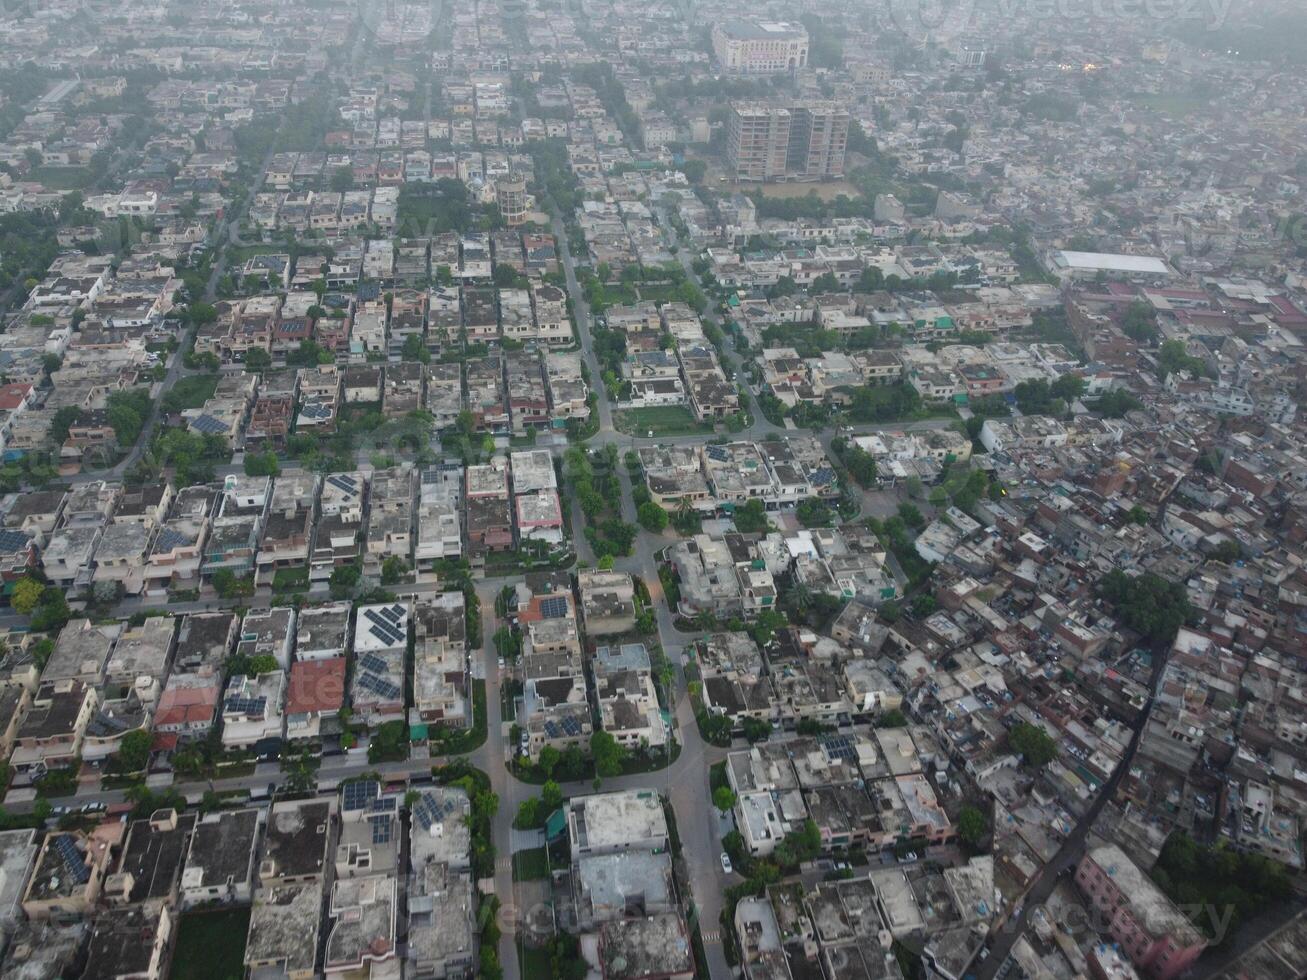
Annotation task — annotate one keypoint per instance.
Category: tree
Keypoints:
(1140, 323)
(126, 412)
(393, 570)
(344, 579)
(608, 755)
(342, 180)
(799, 846)
(415, 349)
(301, 770)
(551, 796)
(134, 750)
(923, 604)
(264, 663)
(1226, 552)
(27, 593)
(911, 515)
(261, 464)
(1149, 604)
(1174, 358)
(548, 761)
(571, 765)
(64, 419)
(893, 718)
(1116, 403)
(1033, 744)
(723, 798)
(813, 512)
(257, 359)
(861, 465)
(52, 612)
(755, 729)
(528, 814)
(1034, 397)
(228, 586)
(716, 730)
(1068, 387)
(652, 517)
(751, 517)
(1137, 515)
(972, 826)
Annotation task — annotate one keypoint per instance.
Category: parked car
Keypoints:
(726, 863)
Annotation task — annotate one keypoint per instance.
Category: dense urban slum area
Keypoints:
(564, 489)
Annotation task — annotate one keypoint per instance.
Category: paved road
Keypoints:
(684, 782)
(1073, 847)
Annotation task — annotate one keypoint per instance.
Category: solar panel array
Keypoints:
(345, 483)
(74, 862)
(379, 686)
(719, 454)
(207, 423)
(357, 795)
(840, 747)
(384, 628)
(555, 607)
(569, 726)
(372, 662)
(428, 811)
(246, 706)
(382, 830)
(168, 539)
(11, 541)
(316, 410)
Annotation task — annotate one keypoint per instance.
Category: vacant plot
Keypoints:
(665, 420)
(531, 865)
(211, 945)
(62, 178)
(826, 191)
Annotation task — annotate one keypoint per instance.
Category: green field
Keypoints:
(211, 945)
(62, 178)
(664, 420)
(531, 865)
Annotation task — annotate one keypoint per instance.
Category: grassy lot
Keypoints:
(535, 963)
(62, 178)
(290, 580)
(618, 294)
(190, 392)
(211, 945)
(664, 420)
(664, 292)
(532, 865)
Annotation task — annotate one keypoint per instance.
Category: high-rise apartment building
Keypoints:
(759, 47)
(799, 141)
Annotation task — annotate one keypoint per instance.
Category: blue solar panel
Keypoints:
(207, 423)
(555, 607)
(357, 795)
(74, 861)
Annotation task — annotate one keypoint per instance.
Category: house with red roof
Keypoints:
(186, 709)
(317, 691)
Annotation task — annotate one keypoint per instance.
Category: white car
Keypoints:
(726, 863)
